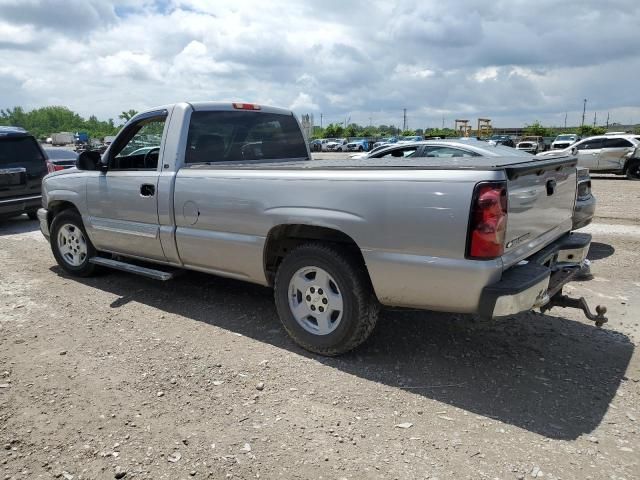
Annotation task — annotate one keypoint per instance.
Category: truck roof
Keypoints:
(225, 107)
(12, 131)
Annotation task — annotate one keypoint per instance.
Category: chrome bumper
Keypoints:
(531, 283)
(44, 224)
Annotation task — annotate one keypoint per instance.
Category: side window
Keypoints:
(138, 148)
(233, 136)
(617, 143)
(590, 144)
(398, 153)
(447, 152)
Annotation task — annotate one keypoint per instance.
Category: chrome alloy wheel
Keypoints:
(315, 300)
(72, 245)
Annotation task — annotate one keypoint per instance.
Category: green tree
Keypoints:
(537, 130)
(589, 130)
(440, 132)
(408, 133)
(334, 130)
(351, 130)
(128, 115)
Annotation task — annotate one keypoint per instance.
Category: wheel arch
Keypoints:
(56, 206)
(284, 237)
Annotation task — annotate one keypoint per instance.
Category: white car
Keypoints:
(619, 154)
(337, 145)
(564, 140)
(532, 145)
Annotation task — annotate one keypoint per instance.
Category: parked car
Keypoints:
(315, 145)
(469, 148)
(324, 143)
(358, 146)
(61, 158)
(506, 140)
(338, 145)
(413, 138)
(453, 237)
(385, 141)
(532, 145)
(619, 154)
(564, 140)
(23, 164)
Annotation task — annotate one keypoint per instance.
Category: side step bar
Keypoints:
(130, 268)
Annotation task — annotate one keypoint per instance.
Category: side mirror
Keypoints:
(89, 160)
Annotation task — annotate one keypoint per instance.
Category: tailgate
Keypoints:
(541, 199)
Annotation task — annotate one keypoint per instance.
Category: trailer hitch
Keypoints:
(560, 300)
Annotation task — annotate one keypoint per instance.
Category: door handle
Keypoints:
(147, 190)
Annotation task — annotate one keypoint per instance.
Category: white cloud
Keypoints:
(358, 59)
(304, 103)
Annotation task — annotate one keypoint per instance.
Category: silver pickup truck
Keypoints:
(231, 190)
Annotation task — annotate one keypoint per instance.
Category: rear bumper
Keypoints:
(584, 212)
(44, 223)
(20, 205)
(530, 285)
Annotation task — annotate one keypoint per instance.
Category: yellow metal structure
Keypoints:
(463, 127)
(484, 127)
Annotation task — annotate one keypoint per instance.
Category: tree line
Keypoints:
(45, 121)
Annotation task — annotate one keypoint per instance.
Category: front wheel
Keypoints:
(324, 299)
(70, 244)
(633, 170)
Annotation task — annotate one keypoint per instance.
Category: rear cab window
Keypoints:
(20, 151)
(240, 136)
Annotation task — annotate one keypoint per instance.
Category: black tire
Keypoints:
(633, 170)
(360, 306)
(32, 214)
(71, 217)
(360, 148)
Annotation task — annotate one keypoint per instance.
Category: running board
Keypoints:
(130, 268)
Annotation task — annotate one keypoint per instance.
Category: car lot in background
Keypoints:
(23, 164)
(531, 144)
(506, 140)
(617, 153)
(61, 158)
(564, 140)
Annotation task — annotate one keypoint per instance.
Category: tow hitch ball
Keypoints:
(560, 300)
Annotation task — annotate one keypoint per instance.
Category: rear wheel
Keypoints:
(70, 244)
(633, 170)
(324, 299)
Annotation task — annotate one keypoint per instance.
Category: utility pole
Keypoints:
(404, 119)
(442, 122)
(607, 120)
(595, 118)
(320, 120)
(584, 111)
(565, 120)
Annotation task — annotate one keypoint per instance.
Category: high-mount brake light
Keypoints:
(246, 106)
(488, 221)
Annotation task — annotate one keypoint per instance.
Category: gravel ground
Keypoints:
(120, 377)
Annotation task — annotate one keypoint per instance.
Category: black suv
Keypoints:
(23, 163)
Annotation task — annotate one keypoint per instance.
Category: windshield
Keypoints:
(565, 137)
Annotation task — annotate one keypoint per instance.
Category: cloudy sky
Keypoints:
(512, 61)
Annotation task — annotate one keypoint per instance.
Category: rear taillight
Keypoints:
(50, 167)
(488, 221)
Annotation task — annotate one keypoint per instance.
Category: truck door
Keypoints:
(122, 202)
(589, 152)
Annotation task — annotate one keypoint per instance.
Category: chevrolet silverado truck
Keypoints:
(230, 189)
